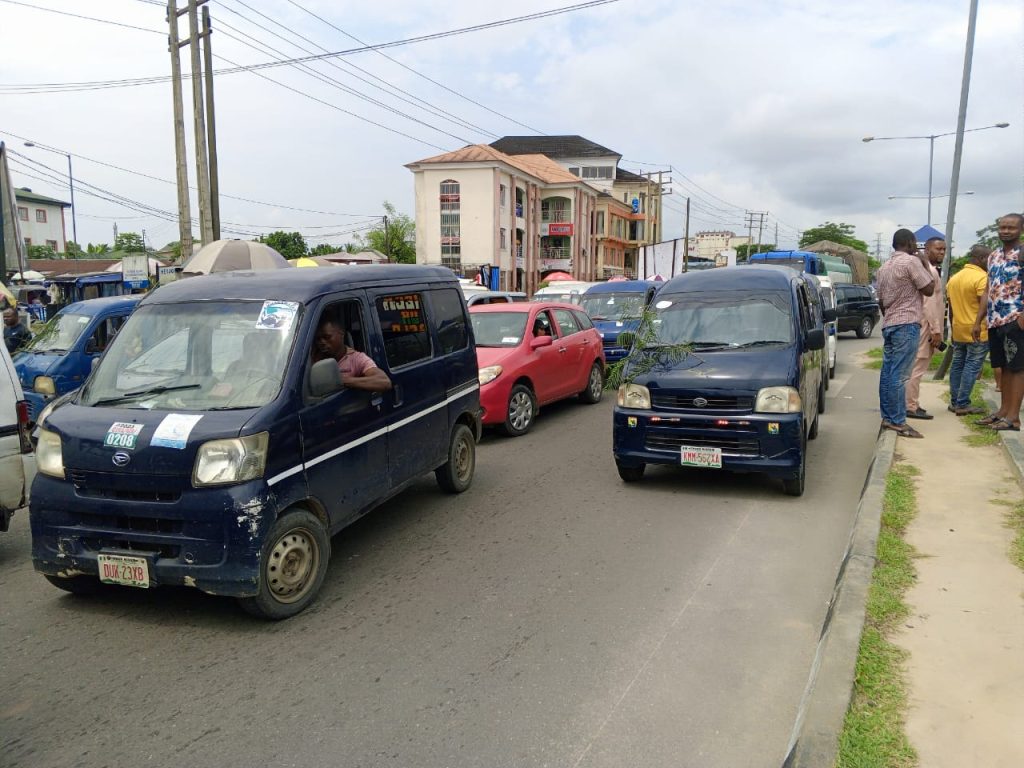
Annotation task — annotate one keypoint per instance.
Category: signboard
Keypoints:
(135, 270)
(562, 229)
(636, 205)
(546, 264)
(167, 274)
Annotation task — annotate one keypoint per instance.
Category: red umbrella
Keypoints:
(618, 279)
(556, 276)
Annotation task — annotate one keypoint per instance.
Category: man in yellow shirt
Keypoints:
(968, 300)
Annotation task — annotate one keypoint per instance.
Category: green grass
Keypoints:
(873, 733)
(875, 363)
(980, 434)
(1015, 521)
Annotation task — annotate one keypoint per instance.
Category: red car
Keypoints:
(532, 354)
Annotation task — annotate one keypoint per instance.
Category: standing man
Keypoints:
(902, 282)
(15, 332)
(932, 318)
(968, 299)
(1006, 322)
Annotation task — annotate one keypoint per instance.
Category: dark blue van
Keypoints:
(213, 448)
(727, 376)
(60, 356)
(801, 261)
(616, 307)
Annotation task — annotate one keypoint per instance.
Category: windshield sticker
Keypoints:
(122, 434)
(83, 320)
(509, 339)
(663, 304)
(277, 315)
(174, 430)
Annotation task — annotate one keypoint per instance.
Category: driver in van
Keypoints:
(358, 371)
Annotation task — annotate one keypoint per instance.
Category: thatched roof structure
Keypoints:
(857, 260)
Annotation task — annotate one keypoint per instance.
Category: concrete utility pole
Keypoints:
(211, 126)
(686, 239)
(181, 158)
(751, 215)
(202, 166)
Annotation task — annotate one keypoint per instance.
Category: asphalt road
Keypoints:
(549, 616)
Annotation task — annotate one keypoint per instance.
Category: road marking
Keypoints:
(835, 387)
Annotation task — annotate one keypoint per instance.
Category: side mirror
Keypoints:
(815, 339)
(91, 347)
(324, 378)
(540, 341)
(830, 315)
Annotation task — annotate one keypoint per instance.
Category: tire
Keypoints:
(292, 566)
(821, 395)
(520, 412)
(825, 378)
(865, 328)
(595, 385)
(630, 474)
(456, 474)
(813, 433)
(832, 371)
(76, 585)
(794, 486)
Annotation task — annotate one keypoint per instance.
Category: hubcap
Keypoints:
(292, 563)
(595, 382)
(520, 410)
(463, 460)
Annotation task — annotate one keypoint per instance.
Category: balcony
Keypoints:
(519, 210)
(555, 253)
(555, 215)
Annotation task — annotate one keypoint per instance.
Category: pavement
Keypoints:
(965, 635)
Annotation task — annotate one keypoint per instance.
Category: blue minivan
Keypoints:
(616, 308)
(61, 355)
(727, 376)
(211, 447)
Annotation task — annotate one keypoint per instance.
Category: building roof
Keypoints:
(27, 195)
(552, 146)
(69, 266)
(624, 175)
(538, 166)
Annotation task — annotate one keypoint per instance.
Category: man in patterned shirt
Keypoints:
(902, 281)
(1006, 322)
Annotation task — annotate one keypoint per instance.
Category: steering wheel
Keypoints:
(251, 384)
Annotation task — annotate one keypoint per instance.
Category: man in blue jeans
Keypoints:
(968, 299)
(902, 282)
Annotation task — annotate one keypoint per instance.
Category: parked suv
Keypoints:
(856, 309)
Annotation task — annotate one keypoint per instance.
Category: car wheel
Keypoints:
(865, 328)
(595, 385)
(824, 378)
(76, 585)
(522, 407)
(821, 394)
(630, 473)
(832, 371)
(794, 486)
(456, 474)
(292, 566)
(813, 433)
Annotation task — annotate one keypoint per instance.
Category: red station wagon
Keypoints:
(533, 354)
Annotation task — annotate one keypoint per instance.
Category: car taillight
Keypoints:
(23, 426)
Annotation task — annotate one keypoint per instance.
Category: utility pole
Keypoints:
(751, 215)
(760, 230)
(202, 167)
(878, 246)
(776, 234)
(686, 239)
(181, 159)
(387, 241)
(211, 126)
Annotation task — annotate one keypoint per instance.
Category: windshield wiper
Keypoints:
(58, 350)
(712, 344)
(143, 393)
(761, 343)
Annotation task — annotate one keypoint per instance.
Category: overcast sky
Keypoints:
(753, 105)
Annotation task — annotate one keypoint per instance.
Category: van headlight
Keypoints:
(234, 460)
(777, 400)
(44, 414)
(44, 385)
(634, 396)
(49, 457)
(489, 374)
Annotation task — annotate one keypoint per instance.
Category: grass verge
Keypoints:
(874, 362)
(1015, 522)
(873, 733)
(980, 434)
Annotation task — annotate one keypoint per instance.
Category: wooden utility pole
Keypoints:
(211, 126)
(202, 167)
(686, 239)
(181, 159)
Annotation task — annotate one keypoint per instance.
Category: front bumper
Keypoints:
(494, 401)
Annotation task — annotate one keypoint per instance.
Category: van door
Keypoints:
(417, 416)
(809, 362)
(450, 323)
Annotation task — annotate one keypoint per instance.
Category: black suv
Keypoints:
(857, 309)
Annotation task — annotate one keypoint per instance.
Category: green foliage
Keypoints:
(397, 241)
(73, 250)
(42, 252)
(324, 249)
(836, 232)
(291, 245)
(744, 250)
(957, 264)
(129, 242)
(989, 235)
(646, 353)
(98, 249)
(873, 265)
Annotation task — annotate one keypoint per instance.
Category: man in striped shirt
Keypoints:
(902, 282)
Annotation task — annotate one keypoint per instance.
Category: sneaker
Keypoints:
(920, 413)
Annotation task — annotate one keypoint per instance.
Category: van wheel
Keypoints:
(292, 566)
(456, 474)
(865, 328)
(813, 433)
(631, 473)
(595, 385)
(795, 486)
(76, 585)
(821, 395)
(832, 371)
(522, 407)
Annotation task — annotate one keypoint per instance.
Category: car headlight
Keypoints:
(49, 457)
(777, 400)
(44, 385)
(233, 460)
(634, 396)
(489, 374)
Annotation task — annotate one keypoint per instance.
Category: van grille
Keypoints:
(733, 442)
(92, 485)
(684, 401)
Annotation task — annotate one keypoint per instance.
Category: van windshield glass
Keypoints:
(197, 356)
(613, 306)
(60, 334)
(738, 319)
(498, 329)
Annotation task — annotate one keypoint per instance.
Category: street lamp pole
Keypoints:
(71, 184)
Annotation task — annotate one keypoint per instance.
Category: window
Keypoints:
(451, 225)
(600, 222)
(40, 216)
(595, 172)
(403, 324)
(52, 244)
(503, 239)
(574, 171)
(582, 320)
(501, 195)
(566, 322)
(23, 213)
(449, 320)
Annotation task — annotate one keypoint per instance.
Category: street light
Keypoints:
(931, 153)
(71, 184)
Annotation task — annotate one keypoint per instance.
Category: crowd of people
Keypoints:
(987, 310)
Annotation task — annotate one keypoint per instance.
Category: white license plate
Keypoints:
(694, 456)
(122, 569)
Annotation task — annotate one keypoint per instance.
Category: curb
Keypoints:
(822, 711)
(1013, 445)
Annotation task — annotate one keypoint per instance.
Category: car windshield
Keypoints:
(613, 306)
(735, 319)
(60, 334)
(197, 356)
(498, 329)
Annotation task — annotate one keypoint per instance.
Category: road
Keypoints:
(549, 616)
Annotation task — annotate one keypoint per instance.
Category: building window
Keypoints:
(451, 225)
(600, 222)
(502, 239)
(22, 213)
(52, 244)
(40, 216)
(595, 172)
(501, 195)
(574, 171)
(28, 242)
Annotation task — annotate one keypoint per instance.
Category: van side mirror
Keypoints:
(815, 339)
(830, 315)
(324, 378)
(91, 347)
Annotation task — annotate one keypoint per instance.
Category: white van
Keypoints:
(828, 294)
(14, 440)
(569, 291)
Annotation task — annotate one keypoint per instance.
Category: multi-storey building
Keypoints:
(708, 244)
(41, 219)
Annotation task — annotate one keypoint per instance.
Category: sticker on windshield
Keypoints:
(174, 430)
(509, 339)
(663, 304)
(122, 434)
(277, 315)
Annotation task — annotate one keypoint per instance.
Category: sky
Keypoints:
(747, 106)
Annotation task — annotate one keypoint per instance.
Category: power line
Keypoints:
(80, 16)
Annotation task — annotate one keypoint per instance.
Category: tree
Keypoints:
(743, 250)
(73, 250)
(291, 245)
(397, 241)
(873, 265)
(42, 252)
(836, 232)
(323, 249)
(989, 236)
(98, 249)
(129, 242)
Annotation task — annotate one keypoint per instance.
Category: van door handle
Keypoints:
(397, 390)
